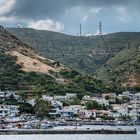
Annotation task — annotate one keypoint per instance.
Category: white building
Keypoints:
(61, 98)
(9, 110)
(112, 95)
(98, 100)
(119, 110)
(87, 114)
(55, 111)
(31, 102)
(133, 112)
(69, 111)
(2, 94)
(127, 94)
(102, 101)
(87, 98)
(47, 98)
(123, 111)
(71, 95)
(114, 114)
(56, 104)
(8, 94)
(137, 96)
(60, 81)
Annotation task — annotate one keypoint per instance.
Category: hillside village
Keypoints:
(35, 89)
(109, 108)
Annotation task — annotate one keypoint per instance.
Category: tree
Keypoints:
(125, 99)
(26, 108)
(80, 96)
(42, 108)
(118, 101)
(93, 105)
(107, 97)
(75, 101)
(125, 118)
(105, 117)
(92, 118)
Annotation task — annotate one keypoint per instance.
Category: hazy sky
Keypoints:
(66, 15)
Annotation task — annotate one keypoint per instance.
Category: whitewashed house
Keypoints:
(115, 114)
(137, 96)
(2, 94)
(102, 101)
(56, 104)
(61, 98)
(31, 102)
(120, 110)
(47, 98)
(9, 110)
(133, 112)
(87, 98)
(55, 111)
(70, 111)
(98, 100)
(85, 114)
(60, 81)
(127, 94)
(8, 94)
(71, 95)
(112, 95)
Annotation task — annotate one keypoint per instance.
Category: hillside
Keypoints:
(123, 68)
(109, 57)
(17, 58)
(22, 69)
(86, 54)
(26, 56)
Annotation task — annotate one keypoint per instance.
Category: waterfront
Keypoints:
(79, 137)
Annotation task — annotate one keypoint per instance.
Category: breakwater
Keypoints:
(64, 131)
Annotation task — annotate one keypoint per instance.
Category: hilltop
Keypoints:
(107, 57)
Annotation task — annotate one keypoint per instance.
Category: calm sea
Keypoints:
(78, 137)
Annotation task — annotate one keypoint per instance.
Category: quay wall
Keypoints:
(74, 131)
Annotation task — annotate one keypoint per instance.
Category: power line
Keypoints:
(81, 54)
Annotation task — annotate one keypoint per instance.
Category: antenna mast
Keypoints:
(80, 30)
(100, 28)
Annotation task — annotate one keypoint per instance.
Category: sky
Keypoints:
(66, 15)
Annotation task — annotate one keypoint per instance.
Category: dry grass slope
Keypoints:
(30, 64)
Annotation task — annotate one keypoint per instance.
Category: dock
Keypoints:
(64, 131)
